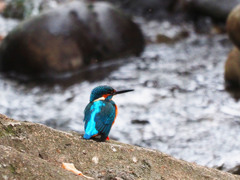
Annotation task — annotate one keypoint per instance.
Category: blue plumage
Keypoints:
(99, 91)
(99, 116)
(100, 113)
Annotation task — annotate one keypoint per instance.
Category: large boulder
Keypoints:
(232, 69)
(233, 26)
(232, 65)
(217, 9)
(69, 37)
(34, 151)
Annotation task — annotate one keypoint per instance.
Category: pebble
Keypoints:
(134, 159)
(114, 149)
(95, 159)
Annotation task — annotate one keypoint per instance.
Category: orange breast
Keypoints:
(116, 113)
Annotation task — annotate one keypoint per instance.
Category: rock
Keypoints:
(14, 9)
(216, 9)
(232, 65)
(235, 170)
(161, 38)
(69, 37)
(142, 122)
(159, 9)
(233, 26)
(2, 6)
(177, 9)
(232, 68)
(34, 151)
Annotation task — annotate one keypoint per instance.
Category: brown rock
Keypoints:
(34, 151)
(216, 9)
(232, 68)
(147, 8)
(2, 6)
(69, 37)
(233, 26)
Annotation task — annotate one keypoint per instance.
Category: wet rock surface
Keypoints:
(216, 9)
(232, 65)
(232, 68)
(233, 25)
(178, 10)
(159, 9)
(30, 151)
(69, 37)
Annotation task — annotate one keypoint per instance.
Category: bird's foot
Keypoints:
(107, 138)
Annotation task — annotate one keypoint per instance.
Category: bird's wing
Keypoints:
(105, 118)
(103, 114)
(87, 114)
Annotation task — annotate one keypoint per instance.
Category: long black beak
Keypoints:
(123, 91)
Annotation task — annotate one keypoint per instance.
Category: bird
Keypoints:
(101, 112)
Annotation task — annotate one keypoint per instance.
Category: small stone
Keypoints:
(113, 148)
(142, 122)
(95, 159)
(103, 173)
(134, 159)
(118, 178)
(5, 177)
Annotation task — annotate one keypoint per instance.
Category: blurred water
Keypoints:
(179, 90)
(6, 25)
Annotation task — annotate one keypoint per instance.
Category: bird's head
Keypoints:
(105, 92)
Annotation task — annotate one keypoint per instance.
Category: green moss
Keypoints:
(7, 131)
(12, 169)
(1, 134)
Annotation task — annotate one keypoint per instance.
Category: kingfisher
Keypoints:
(101, 112)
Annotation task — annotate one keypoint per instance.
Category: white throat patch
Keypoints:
(101, 98)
